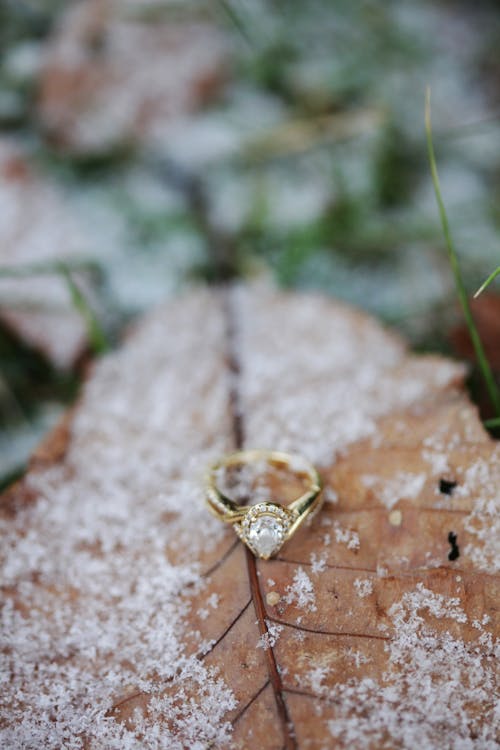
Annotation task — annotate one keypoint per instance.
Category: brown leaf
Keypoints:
(39, 228)
(110, 79)
(134, 619)
(486, 312)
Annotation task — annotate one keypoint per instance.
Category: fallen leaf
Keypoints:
(133, 619)
(37, 229)
(486, 312)
(110, 78)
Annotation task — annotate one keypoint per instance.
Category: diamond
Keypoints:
(264, 528)
(265, 535)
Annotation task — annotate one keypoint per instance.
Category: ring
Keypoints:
(267, 524)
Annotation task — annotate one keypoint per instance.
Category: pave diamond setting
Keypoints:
(264, 528)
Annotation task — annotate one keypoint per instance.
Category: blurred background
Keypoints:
(145, 144)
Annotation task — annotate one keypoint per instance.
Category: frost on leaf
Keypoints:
(37, 226)
(130, 616)
(147, 76)
(437, 684)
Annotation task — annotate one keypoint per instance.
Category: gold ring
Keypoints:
(265, 525)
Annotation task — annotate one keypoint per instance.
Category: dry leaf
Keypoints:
(37, 227)
(109, 79)
(133, 619)
(486, 311)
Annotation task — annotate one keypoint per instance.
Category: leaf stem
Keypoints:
(484, 365)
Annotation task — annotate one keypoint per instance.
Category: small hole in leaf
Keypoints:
(446, 487)
(454, 552)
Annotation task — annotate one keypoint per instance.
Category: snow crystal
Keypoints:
(363, 586)
(389, 490)
(315, 678)
(270, 637)
(358, 657)
(212, 602)
(481, 481)
(345, 536)
(318, 563)
(330, 496)
(301, 591)
(437, 461)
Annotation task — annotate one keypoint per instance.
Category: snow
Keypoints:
(357, 657)
(363, 586)
(269, 639)
(481, 481)
(301, 591)
(93, 608)
(438, 689)
(314, 389)
(403, 485)
(318, 562)
(343, 535)
(330, 496)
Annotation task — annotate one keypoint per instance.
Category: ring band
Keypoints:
(265, 526)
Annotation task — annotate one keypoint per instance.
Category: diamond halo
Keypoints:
(264, 528)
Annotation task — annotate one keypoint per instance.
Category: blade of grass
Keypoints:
(48, 268)
(487, 282)
(97, 337)
(237, 21)
(484, 365)
(492, 422)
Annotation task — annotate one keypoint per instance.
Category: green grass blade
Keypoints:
(484, 365)
(495, 422)
(48, 268)
(487, 282)
(236, 19)
(97, 337)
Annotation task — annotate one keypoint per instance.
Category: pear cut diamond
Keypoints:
(264, 528)
(265, 535)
